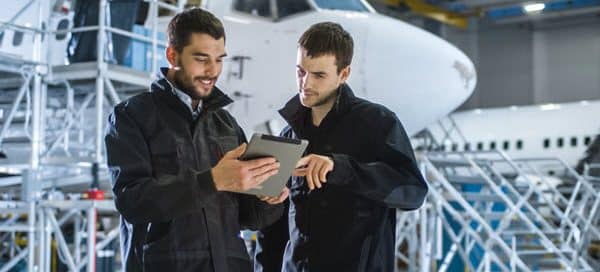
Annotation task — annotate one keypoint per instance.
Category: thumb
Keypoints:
(237, 152)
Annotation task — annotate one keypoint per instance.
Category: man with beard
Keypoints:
(173, 158)
(360, 167)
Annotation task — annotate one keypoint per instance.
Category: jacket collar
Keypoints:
(295, 113)
(216, 100)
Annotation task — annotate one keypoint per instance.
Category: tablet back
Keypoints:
(287, 152)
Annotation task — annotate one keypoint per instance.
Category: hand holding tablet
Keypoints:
(285, 150)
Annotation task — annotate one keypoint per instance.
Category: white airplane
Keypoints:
(549, 130)
(416, 74)
(395, 64)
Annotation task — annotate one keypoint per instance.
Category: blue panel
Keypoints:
(139, 56)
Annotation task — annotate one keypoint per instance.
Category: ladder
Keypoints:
(499, 219)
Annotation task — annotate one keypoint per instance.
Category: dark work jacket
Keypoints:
(349, 223)
(172, 216)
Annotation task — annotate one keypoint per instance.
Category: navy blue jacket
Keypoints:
(172, 216)
(348, 224)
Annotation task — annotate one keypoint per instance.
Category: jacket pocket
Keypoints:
(183, 234)
(165, 156)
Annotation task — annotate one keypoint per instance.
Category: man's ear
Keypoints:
(171, 55)
(344, 74)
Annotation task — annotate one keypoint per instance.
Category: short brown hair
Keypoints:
(328, 38)
(195, 20)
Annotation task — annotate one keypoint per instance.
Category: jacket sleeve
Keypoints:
(393, 179)
(254, 213)
(141, 197)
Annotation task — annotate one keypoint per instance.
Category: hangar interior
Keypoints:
(487, 210)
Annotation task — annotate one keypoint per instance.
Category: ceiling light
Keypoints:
(536, 7)
(547, 107)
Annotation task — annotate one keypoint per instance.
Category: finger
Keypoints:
(269, 199)
(299, 172)
(258, 180)
(318, 168)
(280, 198)
(309, 180)
(237, 152)
(265, 168)
(284, 194)
(323, 172)
(303, 161)
(263, 198)
(315, 176)
(256, 163)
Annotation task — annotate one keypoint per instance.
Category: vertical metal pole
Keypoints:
(412, 244)
(36, 105)
(91, 239)
(41, 239)
(77, 238)
(425, 250)
(43, 117)
(47, 244)
(31, 236)
(100, 80)
(513, 265)
(71, 111)
(154, 9)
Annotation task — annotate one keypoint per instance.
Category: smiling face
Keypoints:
(198, 65)
(318, 79)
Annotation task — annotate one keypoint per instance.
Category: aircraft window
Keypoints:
(519, 144)
(290, 7)
(454, 147)
(351, 5)
(573, 141)
(546, 143)
(560, 142)
(587, 140)
(1, 38)
(492, 145)
(480, 146)
(506, 145)
(18, 38)
(62, 25)
(255, 7)
(467, 147)
(443, 147)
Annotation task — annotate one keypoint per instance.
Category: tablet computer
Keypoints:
(287, 152)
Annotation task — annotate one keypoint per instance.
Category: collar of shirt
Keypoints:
(186, 99)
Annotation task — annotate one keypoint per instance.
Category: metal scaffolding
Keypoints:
(485, 210)
(52, 141)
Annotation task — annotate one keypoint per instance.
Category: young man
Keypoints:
(172, 154)
(360, 168)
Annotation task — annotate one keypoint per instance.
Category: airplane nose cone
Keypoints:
(415, 73)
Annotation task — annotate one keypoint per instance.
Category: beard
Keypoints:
(186, 84)
(327, 99)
